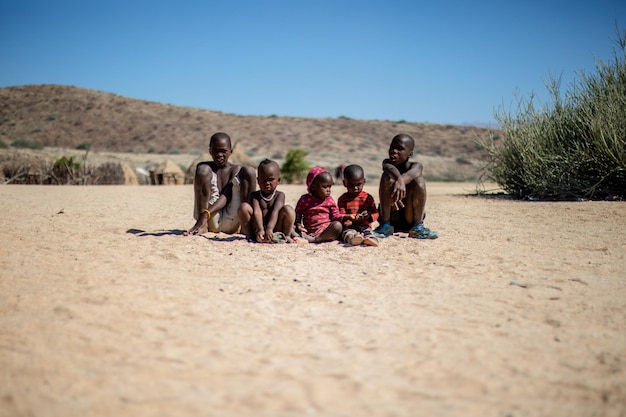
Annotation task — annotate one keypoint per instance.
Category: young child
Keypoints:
(358, 209)
(402, 192)
(317, 217)
(266, 218)
(219, 188)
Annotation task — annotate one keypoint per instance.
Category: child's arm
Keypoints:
(299, 215)
(257, 218)
(343, 206)
(279, 203)
(413, 171)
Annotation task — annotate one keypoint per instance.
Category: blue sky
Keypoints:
(438, 61)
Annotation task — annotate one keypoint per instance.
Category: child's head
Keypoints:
(319, 182)
(220, 148)
(401, 148)
(268, 176)
(353, 179)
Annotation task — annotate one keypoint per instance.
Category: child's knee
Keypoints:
(336, 227)
(203, 169)
(287, 210)
(247, 173)
(245, 208)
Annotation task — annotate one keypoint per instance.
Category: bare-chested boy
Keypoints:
(402, 192)
(266, 218)
(219, 188)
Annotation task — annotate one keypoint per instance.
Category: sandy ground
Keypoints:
(518, 309)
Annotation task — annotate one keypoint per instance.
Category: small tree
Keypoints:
(295, 167)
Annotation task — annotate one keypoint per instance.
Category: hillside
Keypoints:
(65, 117)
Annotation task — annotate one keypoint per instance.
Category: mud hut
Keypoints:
(168, 173)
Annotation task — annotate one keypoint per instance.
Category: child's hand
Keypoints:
(269, 235)
(260, 236)
(398, 192)
(364, 215)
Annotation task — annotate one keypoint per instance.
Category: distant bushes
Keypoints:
(26, 144)
(64, 171)
(574, 147)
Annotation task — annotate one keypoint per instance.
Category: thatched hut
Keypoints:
(168, 173)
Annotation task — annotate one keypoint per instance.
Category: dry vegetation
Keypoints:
(141, 133)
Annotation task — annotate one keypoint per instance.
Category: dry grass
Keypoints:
(141, 132)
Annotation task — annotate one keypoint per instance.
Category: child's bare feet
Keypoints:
(299, 240)
(370, 241)
(196, 227)
(308, 238)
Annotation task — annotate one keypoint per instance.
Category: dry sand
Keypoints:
(518, 309)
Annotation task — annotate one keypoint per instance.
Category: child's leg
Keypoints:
(331, 233)
(415, 201)
(369, 238)
(286, 220)
(352, 237)
(384, 196)
(244, 215)
(247, 178)
(202, 190)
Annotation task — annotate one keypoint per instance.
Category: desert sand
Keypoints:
(518, 309)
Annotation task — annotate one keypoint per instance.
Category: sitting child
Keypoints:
(219, 187)
(266, 218)
(402, 192)
(317, 217)
(358, 209)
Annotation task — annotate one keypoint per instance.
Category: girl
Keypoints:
(317, 216)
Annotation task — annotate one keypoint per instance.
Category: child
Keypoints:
(402, 192)
(266, 218)
(358, 209)
(317, 216)
(219, 188)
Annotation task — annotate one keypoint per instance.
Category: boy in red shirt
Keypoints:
(358, 209)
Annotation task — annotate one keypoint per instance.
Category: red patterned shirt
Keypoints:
(355, 205)
(315, 214)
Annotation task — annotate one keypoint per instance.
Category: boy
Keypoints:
(219, 188)
(358, 209)
(267, 211)
(402, 192)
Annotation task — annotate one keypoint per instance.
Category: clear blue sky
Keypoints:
(437, 61)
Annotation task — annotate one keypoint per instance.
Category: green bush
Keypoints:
(66, 170)
(573, 147)
(295, 167)
(3, 145)
(26, 144)
(85, 146)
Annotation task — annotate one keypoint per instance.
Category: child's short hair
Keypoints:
(405, 138)
(218, 136)
(353, 172)
(267, 162)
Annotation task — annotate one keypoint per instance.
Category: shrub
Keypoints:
(85, 146)
(295, 167)
(3, 145)
(26, 144)
(573, 147)
(66, 170)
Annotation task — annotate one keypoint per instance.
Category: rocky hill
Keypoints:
(67, 118)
